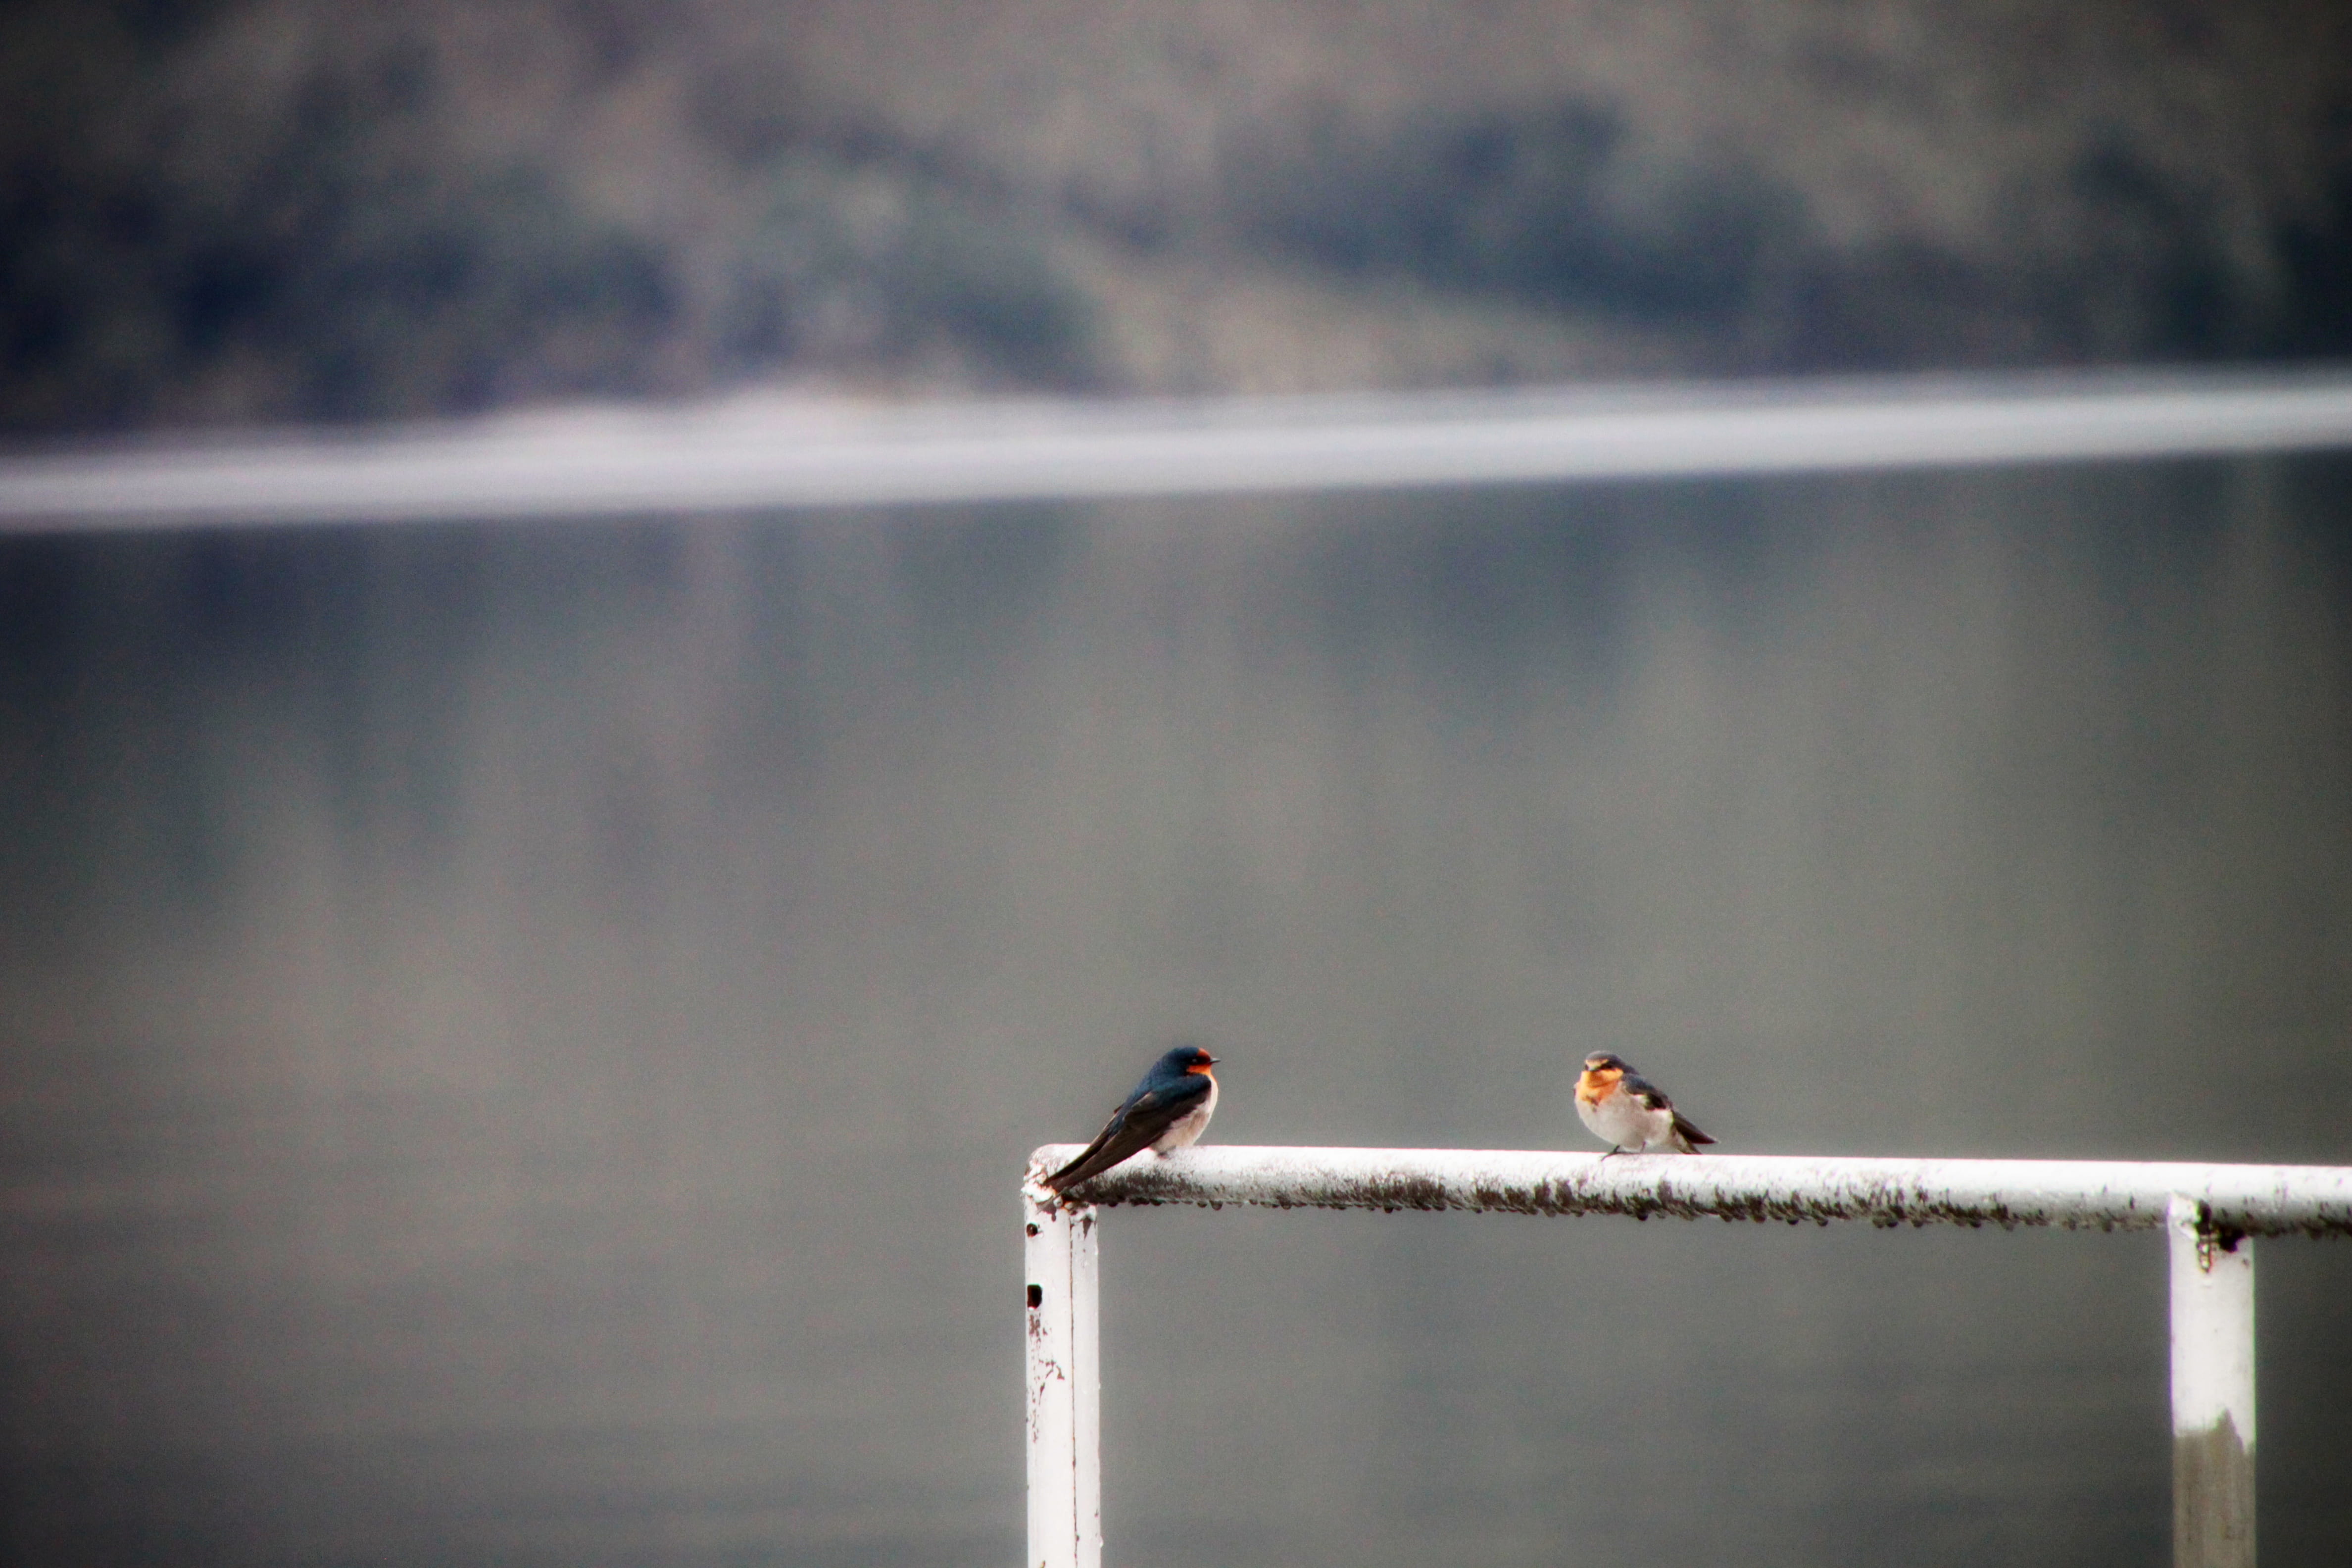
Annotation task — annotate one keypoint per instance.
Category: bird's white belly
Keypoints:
(1186, 1129)
(1626, 1122)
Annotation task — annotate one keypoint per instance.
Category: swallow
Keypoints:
(1169, 1110)
(1620, 1105)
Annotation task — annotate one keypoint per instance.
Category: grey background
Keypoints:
(521, 1041)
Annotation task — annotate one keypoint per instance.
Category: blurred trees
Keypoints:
(240, 211)
(182, 241)
(285, 209)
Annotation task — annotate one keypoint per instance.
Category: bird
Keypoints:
(1169, 1110)
(1634, 1114)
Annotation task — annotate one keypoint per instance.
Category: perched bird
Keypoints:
(1169, 1110)
(1620, 1105)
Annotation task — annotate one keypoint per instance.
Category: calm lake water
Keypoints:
(521, 1041)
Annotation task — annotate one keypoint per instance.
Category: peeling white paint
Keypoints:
(2260, 1200)
(2213, 1327)
(1063, 1381)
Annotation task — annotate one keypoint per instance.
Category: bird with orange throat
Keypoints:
(1629, 1111)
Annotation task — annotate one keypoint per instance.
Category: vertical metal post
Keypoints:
(1063, 1385)
(2213, 1391)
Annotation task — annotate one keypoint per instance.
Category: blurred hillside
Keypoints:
(234, 210)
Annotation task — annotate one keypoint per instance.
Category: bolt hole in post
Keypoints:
(1062, 1383)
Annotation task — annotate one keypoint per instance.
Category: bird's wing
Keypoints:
(1651, 1095)
(1132, 1129)
(1653, 1098)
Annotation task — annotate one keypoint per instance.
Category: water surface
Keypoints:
(521, 1040)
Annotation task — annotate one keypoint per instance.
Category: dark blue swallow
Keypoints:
(1169, 1110)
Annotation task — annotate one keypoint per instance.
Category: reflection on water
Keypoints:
(521, 1041)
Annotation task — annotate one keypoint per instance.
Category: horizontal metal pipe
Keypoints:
(2249, 1200)
(750, 455)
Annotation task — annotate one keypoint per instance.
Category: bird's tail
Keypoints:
(1090, 1162)
(1687, 1135)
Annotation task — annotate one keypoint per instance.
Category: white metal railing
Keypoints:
(754, 454)
(2211, 1215)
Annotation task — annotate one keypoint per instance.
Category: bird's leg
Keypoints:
(1613, 1148)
